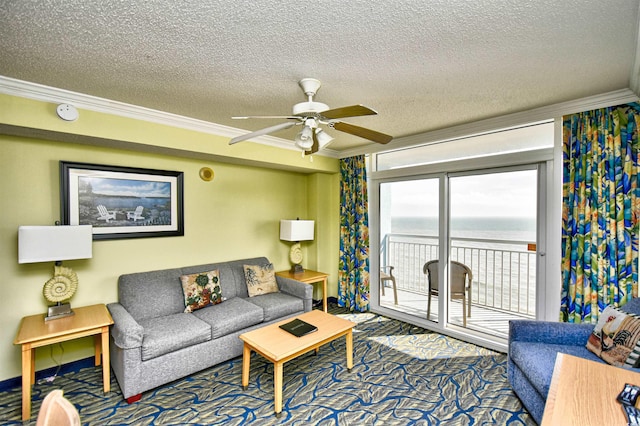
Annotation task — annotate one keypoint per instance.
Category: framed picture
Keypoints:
(122, 202)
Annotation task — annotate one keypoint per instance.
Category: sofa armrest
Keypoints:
(549, 332)
(295, 288)
(126, 332)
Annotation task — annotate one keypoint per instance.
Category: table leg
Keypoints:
(106, 359)
(246, 364)
(97, 339)
(324, 294)
(277, 387)
(349, 338)
(33, 365)
(27, 379)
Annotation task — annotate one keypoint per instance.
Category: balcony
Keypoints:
(503, 286)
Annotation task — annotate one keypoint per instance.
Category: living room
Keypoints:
(234, 215)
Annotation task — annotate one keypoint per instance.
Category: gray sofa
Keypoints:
(153, 341)
(533, 347)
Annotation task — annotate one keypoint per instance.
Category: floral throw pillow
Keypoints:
(616, 338)
(261, 279)
(200, 290)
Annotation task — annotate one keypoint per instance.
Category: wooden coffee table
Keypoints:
(279, 346)
(583, 392)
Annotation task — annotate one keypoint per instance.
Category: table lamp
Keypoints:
(56, 243)
(296, 230)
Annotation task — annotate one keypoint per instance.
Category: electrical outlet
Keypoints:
(67, 112)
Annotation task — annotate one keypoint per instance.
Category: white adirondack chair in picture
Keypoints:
(135, 215)
(105, 214)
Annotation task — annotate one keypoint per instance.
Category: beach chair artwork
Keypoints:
(135, 215)
(104, 214)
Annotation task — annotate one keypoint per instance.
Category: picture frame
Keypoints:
(122, 202)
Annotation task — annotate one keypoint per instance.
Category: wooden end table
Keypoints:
(35, 332)
(584, 392)
(310, 277)
(279, 346)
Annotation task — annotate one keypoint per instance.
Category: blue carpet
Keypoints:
(402, 375)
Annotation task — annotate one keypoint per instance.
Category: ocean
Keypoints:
(503, 268)
(493, 228)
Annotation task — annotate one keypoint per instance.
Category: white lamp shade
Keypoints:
(296, 230)
(54, 243)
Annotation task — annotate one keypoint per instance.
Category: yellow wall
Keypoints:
(234, 216)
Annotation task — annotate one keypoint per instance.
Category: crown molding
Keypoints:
(29, 90)
(517, 119)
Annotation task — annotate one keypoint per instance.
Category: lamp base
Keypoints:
(297, 269)
(60, 310)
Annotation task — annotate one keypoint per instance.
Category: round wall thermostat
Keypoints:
(206, 174)
(67, 112)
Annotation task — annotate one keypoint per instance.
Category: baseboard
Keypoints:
(74, 366)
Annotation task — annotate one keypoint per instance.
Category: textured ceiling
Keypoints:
(423, 65)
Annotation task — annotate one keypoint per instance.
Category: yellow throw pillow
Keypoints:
(200, 290)
(261, 279)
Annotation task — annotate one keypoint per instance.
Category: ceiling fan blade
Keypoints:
(316, 146)
(348, 111)
(265, 131)
(372, 135)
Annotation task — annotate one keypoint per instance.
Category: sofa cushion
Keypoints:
(261, 279)
(616, 338)
(537, 359)
(201, 289)
(172, 332)
(278, 305)
(151, 294)
(232, 315)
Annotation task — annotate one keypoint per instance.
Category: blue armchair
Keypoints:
(533, 346)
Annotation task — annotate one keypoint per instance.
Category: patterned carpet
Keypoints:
(402, 375)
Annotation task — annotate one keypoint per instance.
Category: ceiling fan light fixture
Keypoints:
(323, 138)
(303, 139)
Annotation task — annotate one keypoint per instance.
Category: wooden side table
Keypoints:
(584, 392)
(35, 332)
(310, 277)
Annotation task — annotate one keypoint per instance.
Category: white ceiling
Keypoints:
(423, 65)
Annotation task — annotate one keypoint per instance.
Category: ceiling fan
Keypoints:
(311, 115)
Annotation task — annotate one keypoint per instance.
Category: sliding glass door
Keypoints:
(493, 217)
(486, 224)
(409, 237)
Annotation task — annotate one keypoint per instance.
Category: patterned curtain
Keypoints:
(600, 209)
(353, 274)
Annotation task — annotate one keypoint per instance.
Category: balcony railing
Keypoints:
(504, 272)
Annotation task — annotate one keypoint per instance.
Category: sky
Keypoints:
(511, 194)
(129, 188)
